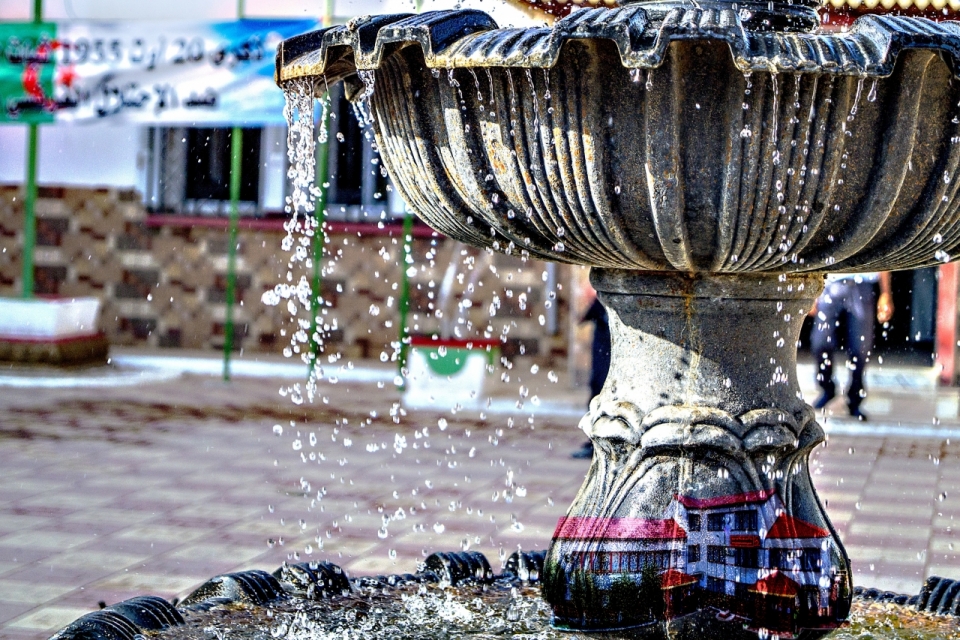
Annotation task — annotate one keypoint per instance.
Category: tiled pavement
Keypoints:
(115, 492)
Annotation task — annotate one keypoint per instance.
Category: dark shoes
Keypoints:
(827, 396)
(857, 412)
(586, 451)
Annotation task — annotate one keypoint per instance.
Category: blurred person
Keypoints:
(599, 360)
(853, 295)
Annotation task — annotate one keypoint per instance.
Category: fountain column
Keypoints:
(699, 488)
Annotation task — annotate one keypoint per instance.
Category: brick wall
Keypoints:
(162, 280)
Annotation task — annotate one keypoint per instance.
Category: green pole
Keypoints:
(322, 180)
(405, 291)
(30, 195)
(29, 212)
(236, 156)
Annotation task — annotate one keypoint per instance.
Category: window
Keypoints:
(810, 559)
(188, 170)
(746, 558)
(580, 560)
(716, 584)
(745, 520)
(693, 553)
(780, 559)
(693, 522)
(208, 164)
(790, 559)
(716, 554)
(347, 156)
(358, 184)
(715, 521)
(658, 559)
(741, 591)
(623, 561)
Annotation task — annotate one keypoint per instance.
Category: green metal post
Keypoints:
(236, 156)
(405, 291)
(29, 213)
(30, 195)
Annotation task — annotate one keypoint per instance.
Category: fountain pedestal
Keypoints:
(699, 490)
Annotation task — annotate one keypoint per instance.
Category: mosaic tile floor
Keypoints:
(109, 493)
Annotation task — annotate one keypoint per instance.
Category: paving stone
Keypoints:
(193, 489)
(49, 539)
(45, 618)
(10, 610)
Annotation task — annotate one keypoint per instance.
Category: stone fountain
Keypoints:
(710, 161)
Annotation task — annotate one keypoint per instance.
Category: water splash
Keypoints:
(361, 104)
(536, 103)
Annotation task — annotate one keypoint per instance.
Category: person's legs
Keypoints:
(823, 340)
(861, 306)
(600, 364)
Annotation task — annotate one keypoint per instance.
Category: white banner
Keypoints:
(150, 73)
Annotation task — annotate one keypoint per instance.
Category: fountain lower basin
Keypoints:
(502, 609)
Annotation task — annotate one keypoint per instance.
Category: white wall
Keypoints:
(89, 155)
(113, 155)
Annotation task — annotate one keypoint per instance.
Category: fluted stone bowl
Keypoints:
(709, 161)
(663, 139)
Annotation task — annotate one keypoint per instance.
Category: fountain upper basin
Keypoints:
(662, 137)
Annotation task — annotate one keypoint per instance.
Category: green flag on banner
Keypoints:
(27, 66)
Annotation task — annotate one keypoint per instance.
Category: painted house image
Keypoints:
(741, 554)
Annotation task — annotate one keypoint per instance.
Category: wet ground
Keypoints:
(113, 491)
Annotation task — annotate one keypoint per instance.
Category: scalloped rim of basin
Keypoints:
(471, 38)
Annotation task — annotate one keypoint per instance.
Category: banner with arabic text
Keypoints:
(143, 72)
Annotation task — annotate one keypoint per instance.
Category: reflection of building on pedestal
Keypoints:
(447, 373)
(51, 331)
(741, 554)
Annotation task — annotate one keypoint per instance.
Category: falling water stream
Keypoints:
(467, 270)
